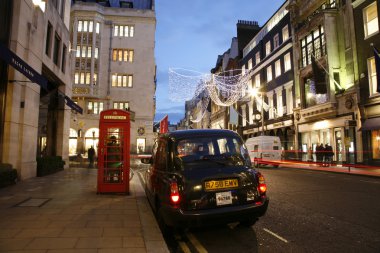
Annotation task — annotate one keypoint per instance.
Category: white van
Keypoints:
(264, 150)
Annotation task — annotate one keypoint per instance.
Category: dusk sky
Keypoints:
(191, 35)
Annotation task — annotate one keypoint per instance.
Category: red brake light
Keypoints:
(262, 184)
(174, 193)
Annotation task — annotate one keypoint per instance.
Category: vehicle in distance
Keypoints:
(203, 177)
(264, 150)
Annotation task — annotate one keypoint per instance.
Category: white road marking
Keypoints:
(198, 246)
(275, 235)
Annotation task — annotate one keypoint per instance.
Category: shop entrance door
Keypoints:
(338, 145)
(113, 152)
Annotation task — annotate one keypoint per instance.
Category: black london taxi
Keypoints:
(203, 177)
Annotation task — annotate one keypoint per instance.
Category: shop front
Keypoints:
(371, 141)
(338, 133)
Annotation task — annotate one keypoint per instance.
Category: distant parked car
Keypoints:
(200, 177)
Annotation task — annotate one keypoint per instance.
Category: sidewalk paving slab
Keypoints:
(75, 219)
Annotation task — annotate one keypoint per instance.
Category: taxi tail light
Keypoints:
(262, 185)
(174, 193)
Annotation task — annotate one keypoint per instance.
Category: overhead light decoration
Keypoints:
(223, 88)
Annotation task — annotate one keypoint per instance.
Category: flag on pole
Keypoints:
(164, 125)
(377, 63)
(319, 78)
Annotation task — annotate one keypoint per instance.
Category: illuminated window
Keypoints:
(85, 24)
(78, 51)
(82, 78)
(121, 105)
(287, 62)
(250, 64)
(280, 107)
(276, 41)
(370, 16)
(76, 78)
(123, 31)
(277, 68)
(257, 81)
(269, 74)
(313, 45)
(84, 50)
(122, 80)
(257, 56)
(80, 25)
(89, 52)
(97, 27)
(267, 48)
(96, 53)
(120, 55)
(94, 107)
(90, 26)
(285, 33)
(88, 78)
(372, 76)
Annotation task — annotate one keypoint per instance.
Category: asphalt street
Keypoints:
(310, 211)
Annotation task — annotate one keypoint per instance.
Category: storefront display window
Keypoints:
(375, 136)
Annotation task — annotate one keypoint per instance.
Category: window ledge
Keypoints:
(371, 35)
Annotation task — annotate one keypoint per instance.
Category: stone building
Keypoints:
(35, 82)
(366, 16)
(326, 81)
(267, 62)
(113, 67)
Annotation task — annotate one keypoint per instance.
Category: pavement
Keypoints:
(61, 213)
(353, 169)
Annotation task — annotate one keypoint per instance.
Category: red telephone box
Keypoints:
(113, 152)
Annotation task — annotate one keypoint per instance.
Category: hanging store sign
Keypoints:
(12, 59)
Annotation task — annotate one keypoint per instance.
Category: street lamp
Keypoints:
(255, 94)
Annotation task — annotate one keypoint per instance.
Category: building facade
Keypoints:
(366, 16)
(35, 82)
(267, 62)
(325, 63)
(113, 67)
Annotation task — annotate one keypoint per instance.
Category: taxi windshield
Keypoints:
(212, 148)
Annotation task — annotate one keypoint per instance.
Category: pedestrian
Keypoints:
(320, 154)
(91, 156)
(329, 153)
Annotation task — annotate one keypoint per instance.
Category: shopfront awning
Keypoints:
(371, 124)
(19, 64)
(70, 103)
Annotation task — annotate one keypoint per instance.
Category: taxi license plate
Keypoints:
(223, 198)
(221, 184)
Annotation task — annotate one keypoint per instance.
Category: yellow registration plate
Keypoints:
(221, 184)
